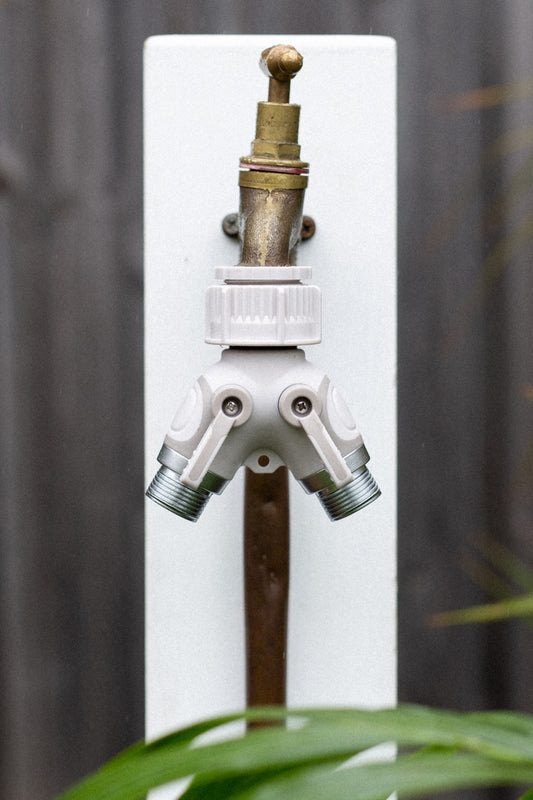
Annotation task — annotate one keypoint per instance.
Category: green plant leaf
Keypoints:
(228, 788)
(512, 607)
(427, 774)
(176, 739)
(506, 562)
(324, 737)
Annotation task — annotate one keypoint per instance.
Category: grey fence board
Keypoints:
(75, 536)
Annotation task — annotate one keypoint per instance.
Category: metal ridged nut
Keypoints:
(357, 458)
(176, 463)
(168, 491)
(322, 479)
(340, 503)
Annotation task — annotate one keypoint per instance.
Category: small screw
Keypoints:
(308, 227)
(230, 224)
(232, 406)
(302, 406)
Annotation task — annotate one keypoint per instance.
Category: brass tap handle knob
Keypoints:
(280, 63)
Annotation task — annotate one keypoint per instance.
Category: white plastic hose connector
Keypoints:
(263, 307)
(263, 408)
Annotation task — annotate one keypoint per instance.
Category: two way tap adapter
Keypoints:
(263, 404)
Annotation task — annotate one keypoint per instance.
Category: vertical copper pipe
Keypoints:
(266, 569)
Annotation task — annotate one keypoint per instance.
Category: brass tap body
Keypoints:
(273, 178)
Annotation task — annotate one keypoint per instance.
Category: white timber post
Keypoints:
(200, 101)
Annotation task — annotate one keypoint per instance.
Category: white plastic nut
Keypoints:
(263, 274)
(263, 307)
(263, 315)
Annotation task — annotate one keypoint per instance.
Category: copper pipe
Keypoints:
(266, 568)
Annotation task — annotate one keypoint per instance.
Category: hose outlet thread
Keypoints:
(168, 491)
(360, 492)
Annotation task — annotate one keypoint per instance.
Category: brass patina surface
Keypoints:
(271, 224)
(272, 189)
(276, 136)
(280, 63)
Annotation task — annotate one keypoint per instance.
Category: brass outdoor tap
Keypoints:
(273, 178)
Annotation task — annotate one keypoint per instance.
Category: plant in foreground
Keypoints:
(439, 750)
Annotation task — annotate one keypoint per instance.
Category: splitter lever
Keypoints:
(300, 406)
(231, 406)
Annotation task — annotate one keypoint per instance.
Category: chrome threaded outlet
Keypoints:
(340, 503)
(168, 491)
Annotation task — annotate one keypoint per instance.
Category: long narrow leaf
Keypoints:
(327, 736)
(427, 774)
(505, 561)
(182, 737)
(490, 612)
(228, 788)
